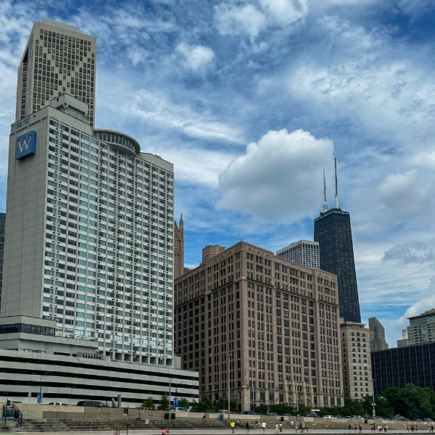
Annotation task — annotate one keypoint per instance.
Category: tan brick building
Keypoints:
(357, 364)
(276, 320)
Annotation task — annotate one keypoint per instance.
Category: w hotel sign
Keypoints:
(26, 145)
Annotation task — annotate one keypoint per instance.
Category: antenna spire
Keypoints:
(325, 204)
(336, 184)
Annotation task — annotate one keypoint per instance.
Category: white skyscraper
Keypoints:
(89, 233)
(58, 58)
(304, 252)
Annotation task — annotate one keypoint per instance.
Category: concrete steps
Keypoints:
(53, 425)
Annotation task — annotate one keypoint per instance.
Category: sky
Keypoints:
(251, 100)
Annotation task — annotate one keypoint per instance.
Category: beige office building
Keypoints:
(357, 365)
(276, 323)
(58, 58)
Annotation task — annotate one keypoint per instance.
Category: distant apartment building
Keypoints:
(377, 335)
(273, 325)
(303, 252)
(404, 341)
(357, 366)
(421, 329)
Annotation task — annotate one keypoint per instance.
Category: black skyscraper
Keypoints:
(333, 232)
(2, 250)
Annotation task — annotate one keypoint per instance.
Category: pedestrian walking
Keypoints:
(263, 425)
(306, 427)
(350, 428)
(355, 428)
(297, 426)
(247, 427)
(360, 428)
(303, 427)
(407, 428)
(277, 428)
(280, 427)
(232, 426)
(162, 431)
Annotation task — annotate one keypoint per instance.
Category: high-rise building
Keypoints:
(357, 365)
(399, 366)
(304, 252)
(89, 234)
(333, 231)
(58, 58)
(421, 329)
(377, 335)
(272, 325)
(404, 341)
(2, 251)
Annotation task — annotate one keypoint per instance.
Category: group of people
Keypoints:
(165, 431)
(302, 427)
(379, 428)
(413, 428)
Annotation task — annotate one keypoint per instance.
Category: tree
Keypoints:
(203, 405)
(163, 403)
(222, 403)
(148, 403)
(184, 403)
(383, 407)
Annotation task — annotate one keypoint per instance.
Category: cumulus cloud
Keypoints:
(196, 57)
(411, 252)
(407, 195)
(233, 20)
(279, 177)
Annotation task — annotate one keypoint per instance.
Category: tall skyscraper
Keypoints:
(304, 252)
(263, 318)
(89, 235)
(377, 335)
(2, 251)
(332, 229)
(59, 58)
(178, 248)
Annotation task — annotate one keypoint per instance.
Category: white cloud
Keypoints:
(196, 57)
(407, 195)
(280, 177)
(157, 109)
(233, 20)
(285, 11)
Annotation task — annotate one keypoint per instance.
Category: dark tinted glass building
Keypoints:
(2, 250)
(404, 365)
(333, 231)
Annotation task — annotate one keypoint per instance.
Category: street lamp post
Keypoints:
(373, 400)
(229, 386)
(40, 386)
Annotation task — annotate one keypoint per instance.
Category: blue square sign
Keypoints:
(26, 145)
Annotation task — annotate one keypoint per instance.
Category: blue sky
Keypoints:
(249, 99)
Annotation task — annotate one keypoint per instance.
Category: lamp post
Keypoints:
(229, 386)
(373, 400)
(40, 386)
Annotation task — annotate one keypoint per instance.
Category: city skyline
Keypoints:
(199, 98)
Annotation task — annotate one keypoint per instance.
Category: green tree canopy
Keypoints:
(184, 403)
(148, 403)
(203, 405)
(163, 403)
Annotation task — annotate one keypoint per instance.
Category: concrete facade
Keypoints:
(89, 237)
(2, 250)
(357, 366)
(303, 252)
(71, 379)
(377, 335)
(58, 58)
(421, 330)
(273, 324)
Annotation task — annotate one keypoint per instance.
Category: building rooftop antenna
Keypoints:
(325, 204)
(336, 184)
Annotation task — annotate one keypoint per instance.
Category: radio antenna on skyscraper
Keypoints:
(325, 204)
(336, 184)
